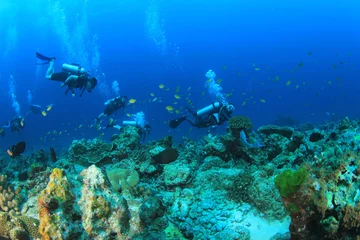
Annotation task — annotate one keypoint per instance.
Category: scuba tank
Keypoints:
(208, 109)
(73, 68)
(130, 123)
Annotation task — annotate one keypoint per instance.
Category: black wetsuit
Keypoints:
(216, 118)
(143, 132)
(79, 83)
(114, 105)
(16, 124)
(60, 76)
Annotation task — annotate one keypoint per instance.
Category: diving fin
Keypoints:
(44, 58)
(176, 122)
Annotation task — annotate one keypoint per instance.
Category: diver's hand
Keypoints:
(63, 85)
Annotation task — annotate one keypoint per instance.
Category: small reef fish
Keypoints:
(161, 86)
(17, 149)
(169, 108)
(53, 154)
(131, 101)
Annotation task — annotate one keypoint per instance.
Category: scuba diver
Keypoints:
(112, 105)
(73, 75)
(14, 125)
(37, 109)
(142, 131)
(211, 116)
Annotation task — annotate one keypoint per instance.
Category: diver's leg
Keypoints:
(191, 122)
(194, 113)
(50, 70)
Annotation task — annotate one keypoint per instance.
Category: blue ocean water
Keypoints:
(296, 59)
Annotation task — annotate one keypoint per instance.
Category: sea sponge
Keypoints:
(238, 123)
(57, 196)
(121, 178)
(289, 182)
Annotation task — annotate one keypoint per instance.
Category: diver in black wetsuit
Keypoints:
(142, 131)
(211, 116)
(37, 109)
(14, 125)
(73, 75)
(113, 105)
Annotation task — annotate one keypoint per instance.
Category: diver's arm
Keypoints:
(82, 91)
(71, 79)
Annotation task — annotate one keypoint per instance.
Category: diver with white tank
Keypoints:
(208, 117)
(73, 75)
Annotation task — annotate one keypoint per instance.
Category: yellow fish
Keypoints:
(243, 104)
(288, 83)
(161, 86)
(128, 114)
(178, 111)
(80, 126)
(152, 94)
(169, 108)
(177, 89)
(177, 96)
(256, 69)
(262, 100)
(189, 88)
(131, 101)
(44, 113)
(219, 81)
(48, 108)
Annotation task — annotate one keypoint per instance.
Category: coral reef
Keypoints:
(238, 123)
(104, 213)
(55, 205)
(18, 228)
(302, 184)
